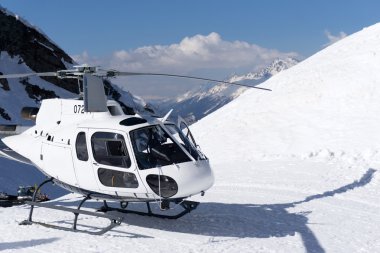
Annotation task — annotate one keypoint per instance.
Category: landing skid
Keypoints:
(188, 206)
(114, 220)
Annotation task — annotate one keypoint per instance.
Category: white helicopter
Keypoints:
(89, 146)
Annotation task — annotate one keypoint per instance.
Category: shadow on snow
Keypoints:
(249, 220)
(25, 244)
(242, 220)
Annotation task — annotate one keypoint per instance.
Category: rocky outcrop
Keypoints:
(4, 114)
(24, 48)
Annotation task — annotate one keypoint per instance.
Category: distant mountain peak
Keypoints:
(199, 102)
(275, 67)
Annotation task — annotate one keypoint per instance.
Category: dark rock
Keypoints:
(4, 83)
(4, 115)
(35, 50)
(37, 93)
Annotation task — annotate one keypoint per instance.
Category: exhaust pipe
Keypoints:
(29, 113)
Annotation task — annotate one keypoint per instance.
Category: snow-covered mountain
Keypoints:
(24, 49)
(328, 104)
(201, 101)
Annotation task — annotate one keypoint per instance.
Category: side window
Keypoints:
(114, 178)
(81, 147)
(110, 149)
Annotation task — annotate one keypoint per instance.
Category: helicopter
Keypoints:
(87, 145)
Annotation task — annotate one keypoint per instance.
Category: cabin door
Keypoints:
(83, 162)
(115, 171)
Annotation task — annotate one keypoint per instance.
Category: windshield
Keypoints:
(154, 148)
(183, 140)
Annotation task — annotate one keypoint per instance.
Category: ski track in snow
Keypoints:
(262, 206)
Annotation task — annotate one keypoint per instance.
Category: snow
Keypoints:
(42, 44)
(296, 171)
(326, 105)
(269, 206)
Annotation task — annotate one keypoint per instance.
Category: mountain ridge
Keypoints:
(199, 102)
(26, 49)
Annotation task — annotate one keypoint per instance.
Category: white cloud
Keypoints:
(192, 53)
(205, 55)
(333, 38)
(86, 58)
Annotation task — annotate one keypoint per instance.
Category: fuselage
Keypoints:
(112, 155)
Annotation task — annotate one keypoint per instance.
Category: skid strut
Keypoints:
(188, 206)
(114, 220)
(50, 180)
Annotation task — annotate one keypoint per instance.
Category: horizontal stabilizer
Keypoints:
(8, 153)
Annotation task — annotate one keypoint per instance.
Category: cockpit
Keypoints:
(133, 158)
(154, 147)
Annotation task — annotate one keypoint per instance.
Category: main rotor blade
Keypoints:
(28, 75)
(120, 73)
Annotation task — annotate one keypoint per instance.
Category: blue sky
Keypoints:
(100, 31)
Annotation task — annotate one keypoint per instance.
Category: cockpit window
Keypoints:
(154, 148)
(110, 149)
(183, 140)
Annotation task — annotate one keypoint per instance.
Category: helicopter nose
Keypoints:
(192, 178)
(180, 180)
(198, 179)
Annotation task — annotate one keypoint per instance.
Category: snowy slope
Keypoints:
(17, 97)
(269, 206)
(328, 105)
(199, 102)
